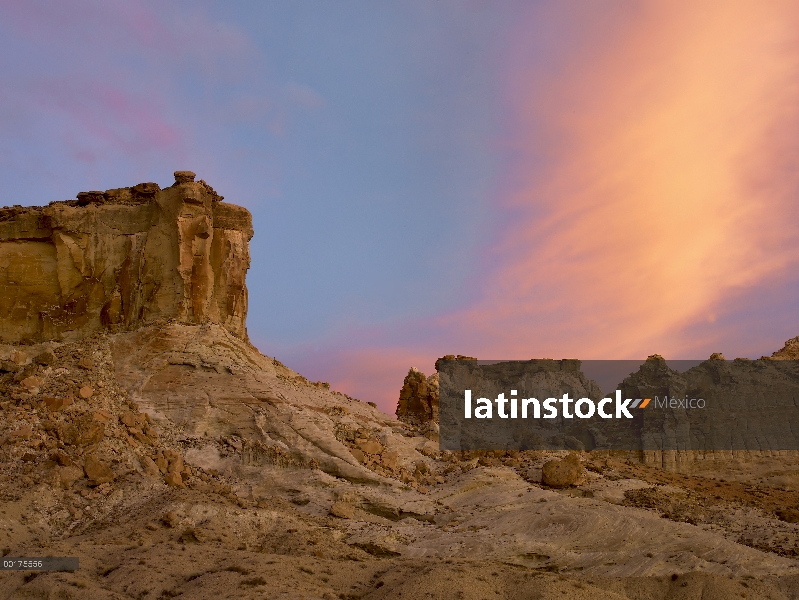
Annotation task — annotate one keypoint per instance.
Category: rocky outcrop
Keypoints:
(745, 408)
(122, 258)
(790, 351)
(757, 393)
(418, 399)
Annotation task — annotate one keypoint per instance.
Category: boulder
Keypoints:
(23, 432)
(174, 461)
(31, 383)
(103, 416)
(62, 458)
(8, 366)
(56, 404)
(68, 475)
(562, 473)
(162, 464)
(371, 447)
(97, 471)
(44, 358)
(83, 431)
(149, 467)
(128, 418)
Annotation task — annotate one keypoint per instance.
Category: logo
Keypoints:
(569, 408)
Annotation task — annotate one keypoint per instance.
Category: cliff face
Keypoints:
(122, 258)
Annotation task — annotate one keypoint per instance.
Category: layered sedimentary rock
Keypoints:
(748, 409)
(790, 351)
(418, 399)
(122, 258)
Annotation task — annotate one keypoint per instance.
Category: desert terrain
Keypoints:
(142, 432)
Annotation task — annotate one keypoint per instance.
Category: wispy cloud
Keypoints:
(105, 89)
(650, 183)
(654, 182)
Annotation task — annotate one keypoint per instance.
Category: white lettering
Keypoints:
(536, 408)
(566, 401)
(551, 411)
(584, 415)
(501, 401)
(483, 410)
(584, 408)
(621, 407)
(601, 408)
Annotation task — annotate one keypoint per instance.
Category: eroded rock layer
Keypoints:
(122, 258)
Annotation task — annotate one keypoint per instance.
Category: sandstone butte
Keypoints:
(141, 432)
(121, 259)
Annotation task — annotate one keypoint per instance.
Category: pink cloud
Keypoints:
(660, 195)
(651, 182)
(101, 118)
(124, 86)
(369, 374)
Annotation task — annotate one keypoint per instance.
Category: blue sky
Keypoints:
(506, 180)
(359, 134)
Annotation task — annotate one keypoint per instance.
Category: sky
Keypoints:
(514, 180)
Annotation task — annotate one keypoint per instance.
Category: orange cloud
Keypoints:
(655, 182)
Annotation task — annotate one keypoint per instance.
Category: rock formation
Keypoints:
(149, 439)
(123, 258)
(418, 399)
(561, 473)
(790, 351)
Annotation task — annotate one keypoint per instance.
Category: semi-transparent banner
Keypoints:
(619, 404)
